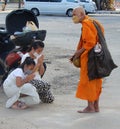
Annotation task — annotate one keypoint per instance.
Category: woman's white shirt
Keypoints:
(9, 84)
(28, 55)
(24, 57)
(13, 92)
(18, 72)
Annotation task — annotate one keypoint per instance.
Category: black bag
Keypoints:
(16, 21)
(100, 64)
(27, 38)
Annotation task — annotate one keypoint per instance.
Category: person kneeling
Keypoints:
(21, 94)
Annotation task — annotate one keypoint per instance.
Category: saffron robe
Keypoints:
(88, 90)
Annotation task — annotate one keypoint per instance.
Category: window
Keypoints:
(84, 1)
(38, 0)
(55, 0)
(44, 0)
(72, 1)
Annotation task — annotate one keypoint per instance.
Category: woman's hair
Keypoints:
(28, 61)
(36, 44)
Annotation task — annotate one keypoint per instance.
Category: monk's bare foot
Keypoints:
(97, 110)
(96, 107)
(87, 110)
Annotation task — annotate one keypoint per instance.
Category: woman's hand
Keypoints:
(40, 59)
(41, 67)
(39, 63)
(20, 81)
(30, 77)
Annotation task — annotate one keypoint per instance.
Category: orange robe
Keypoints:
(88, 90)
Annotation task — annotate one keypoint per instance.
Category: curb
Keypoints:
(107, 12)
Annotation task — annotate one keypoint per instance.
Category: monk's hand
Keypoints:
(71, 58)
(79, 52)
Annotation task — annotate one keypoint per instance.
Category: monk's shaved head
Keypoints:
(79, 12)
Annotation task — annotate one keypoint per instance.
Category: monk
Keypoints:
(87, 90)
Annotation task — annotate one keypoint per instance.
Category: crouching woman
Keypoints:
(21, 94)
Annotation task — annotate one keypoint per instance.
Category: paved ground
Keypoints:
(62, 37)
(10, 6)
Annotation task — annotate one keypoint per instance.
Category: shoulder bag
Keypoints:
(100, 62)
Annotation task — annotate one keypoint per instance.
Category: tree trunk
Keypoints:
(97, 4)
(105, 4)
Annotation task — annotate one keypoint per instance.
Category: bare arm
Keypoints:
(77, 53)
(41, 67)
(41, 70)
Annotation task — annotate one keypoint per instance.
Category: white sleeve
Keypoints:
(24, 57)
(18, 73)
